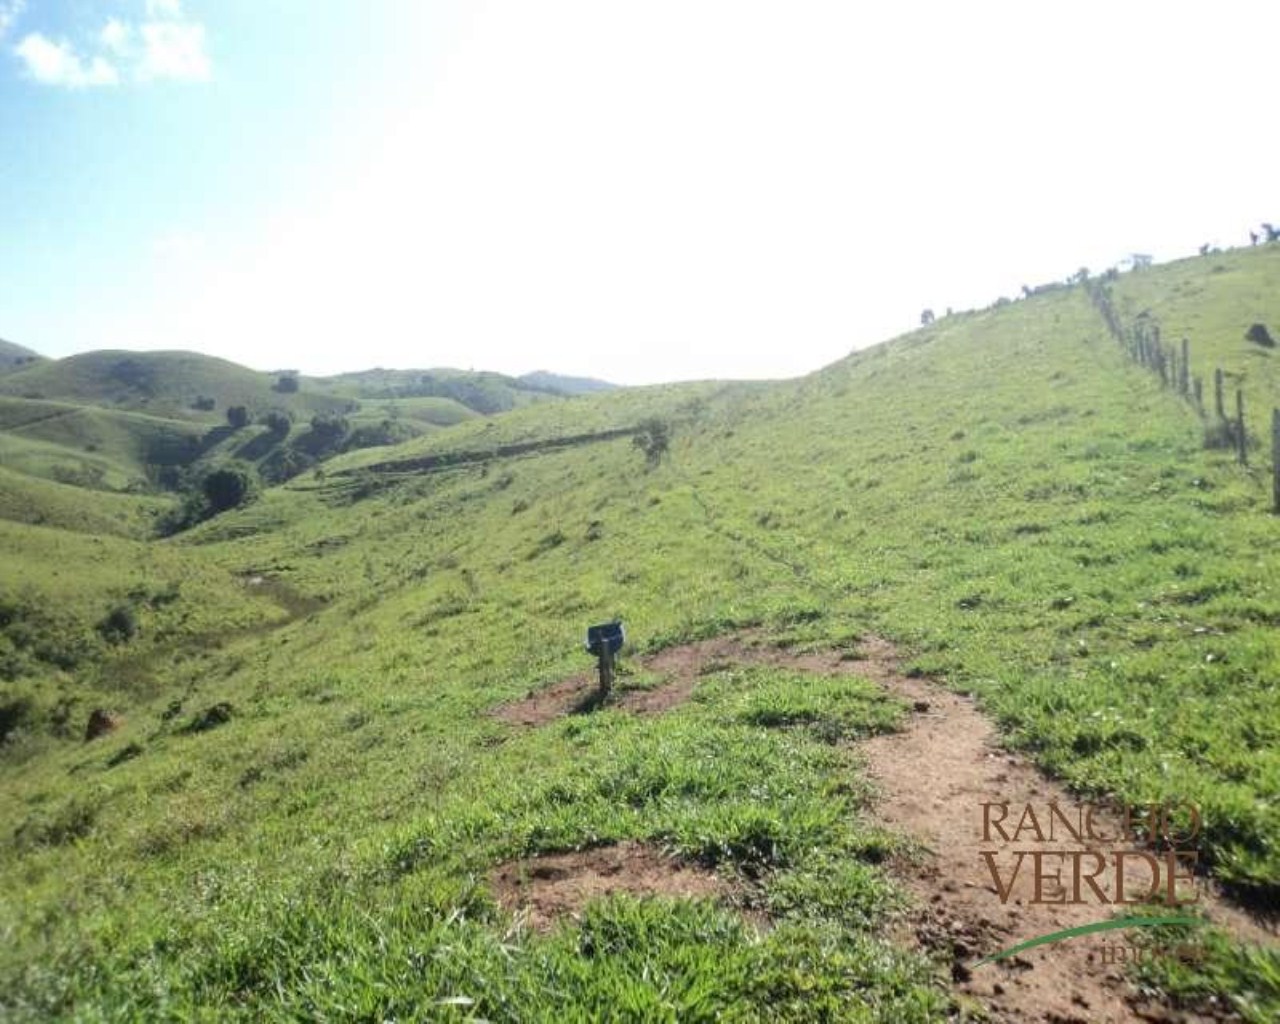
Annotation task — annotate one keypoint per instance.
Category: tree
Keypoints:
(237, 416)
(329, 430)
(1273, 233)
(286, 384)
(926, 318)
(653, 437)
(278, 422)
(227, 487)
(1080, 276)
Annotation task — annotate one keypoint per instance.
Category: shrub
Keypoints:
(204, 403)
(1259, 335)
(278, 422)
(237, 416)
(286, 384)
(653, 437)
(1219, 434)
(227, 487)
(377, 435)
(119, 626)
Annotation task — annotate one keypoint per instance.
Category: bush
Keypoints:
(204, 403)
(1219, 434)
(237, 416)
(278, 422)
(228, 487)
(1259, 335)
(653, 437)
(378, 435)
(286, 384)
(326, 435)
(119, 626)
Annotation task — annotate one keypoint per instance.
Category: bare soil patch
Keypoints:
(933, 778)
(681, 667)
(542, 890)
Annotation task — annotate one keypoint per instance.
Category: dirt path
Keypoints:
(933, 779)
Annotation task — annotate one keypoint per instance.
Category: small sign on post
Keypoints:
(605, 641)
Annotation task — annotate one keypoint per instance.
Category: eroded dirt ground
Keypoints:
(933, 779)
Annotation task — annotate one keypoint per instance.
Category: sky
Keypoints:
(638, 190)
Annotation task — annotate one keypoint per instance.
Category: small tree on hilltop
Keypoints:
(926, 318)
(286, 384)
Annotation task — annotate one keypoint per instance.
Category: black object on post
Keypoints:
(604, 641)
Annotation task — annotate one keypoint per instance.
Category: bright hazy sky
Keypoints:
(643, 190)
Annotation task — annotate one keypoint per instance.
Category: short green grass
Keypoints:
(1025, 511)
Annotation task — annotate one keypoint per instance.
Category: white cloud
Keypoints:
(116, 36)
(10, 11)
(174, 49)
(58, 64)
(167, 45)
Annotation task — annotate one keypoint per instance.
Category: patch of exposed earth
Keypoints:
(680, 668)
(540, 891)
(933, 778)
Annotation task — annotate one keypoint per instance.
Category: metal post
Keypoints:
(606, 671)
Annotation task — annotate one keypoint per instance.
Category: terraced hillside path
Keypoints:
(933, 778)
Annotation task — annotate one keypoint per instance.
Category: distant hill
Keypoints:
(182, 384)
(546, 381)
(484, 392)
(12, 356)
(116, 420)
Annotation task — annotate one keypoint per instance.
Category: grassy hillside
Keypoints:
(28, 499)
(565, 385)
(105, 449)
(14, 356)
(483, 392)
(1003, 493)
(141, 420)
(1212, 301)
(162, 384)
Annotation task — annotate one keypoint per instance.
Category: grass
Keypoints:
(1003, 493)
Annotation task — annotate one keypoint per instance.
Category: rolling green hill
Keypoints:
(135, 421)
(483, 392)
(299, 815)
(565, 385)
(13, 357)
(163, 384)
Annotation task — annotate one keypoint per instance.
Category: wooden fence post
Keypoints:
(1198, 386)
(1242, 440)
(1275, 458)
(1217, 394)
(1184, 377)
